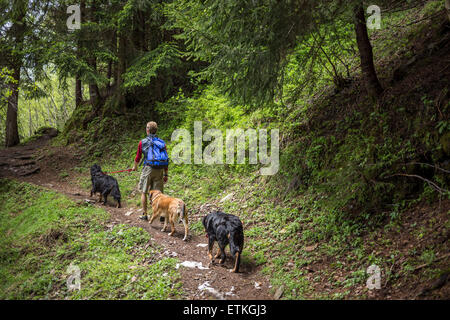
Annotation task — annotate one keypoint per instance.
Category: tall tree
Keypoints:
(94, 91)
(16, 35)
(23, 45)
(78, 82)
(373, 85)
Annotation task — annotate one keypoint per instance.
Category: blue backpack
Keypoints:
(155, 153)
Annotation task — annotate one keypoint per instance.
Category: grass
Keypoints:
(44, 233)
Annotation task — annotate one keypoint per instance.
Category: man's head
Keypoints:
(152, 127)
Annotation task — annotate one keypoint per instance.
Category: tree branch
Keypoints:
(430, 183)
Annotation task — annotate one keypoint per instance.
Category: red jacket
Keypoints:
(139, 152)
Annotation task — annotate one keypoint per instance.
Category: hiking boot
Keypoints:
(144, 217)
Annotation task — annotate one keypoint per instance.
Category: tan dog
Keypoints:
(172, 209)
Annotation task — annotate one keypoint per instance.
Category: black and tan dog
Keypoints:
(225, 229)
(104, 184)
(172, 209)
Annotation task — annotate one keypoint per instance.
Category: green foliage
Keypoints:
(5, 79)
(50, 106)
(443, 126)
(325, 56)
(165, 59)
(245, 43)
(207, 105)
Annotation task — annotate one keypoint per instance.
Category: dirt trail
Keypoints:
(29, 163)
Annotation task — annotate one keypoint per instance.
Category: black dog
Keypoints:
(104, 184)
(224, 228)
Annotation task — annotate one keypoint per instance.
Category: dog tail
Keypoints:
(115, 192)
(181, 211)
(183, 218)
(237, 262)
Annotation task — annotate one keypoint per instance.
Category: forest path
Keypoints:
(41, 164)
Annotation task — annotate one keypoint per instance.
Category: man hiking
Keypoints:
(156, 162)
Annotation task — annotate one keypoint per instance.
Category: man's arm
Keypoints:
(166, 171)
(138, 156)
(166, 174)
(135, 165)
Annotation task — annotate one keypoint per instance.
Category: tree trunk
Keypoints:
(121, 68)
(373, 85)
(78, 83)
(16, 32)
(64, 108)
(114, 64)
(447, 7)
(57, 116)
(109, 75)
(78, 92)
(36, 118)
(94, 92)
(30, 123)
(49, 116)
(12, 130)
